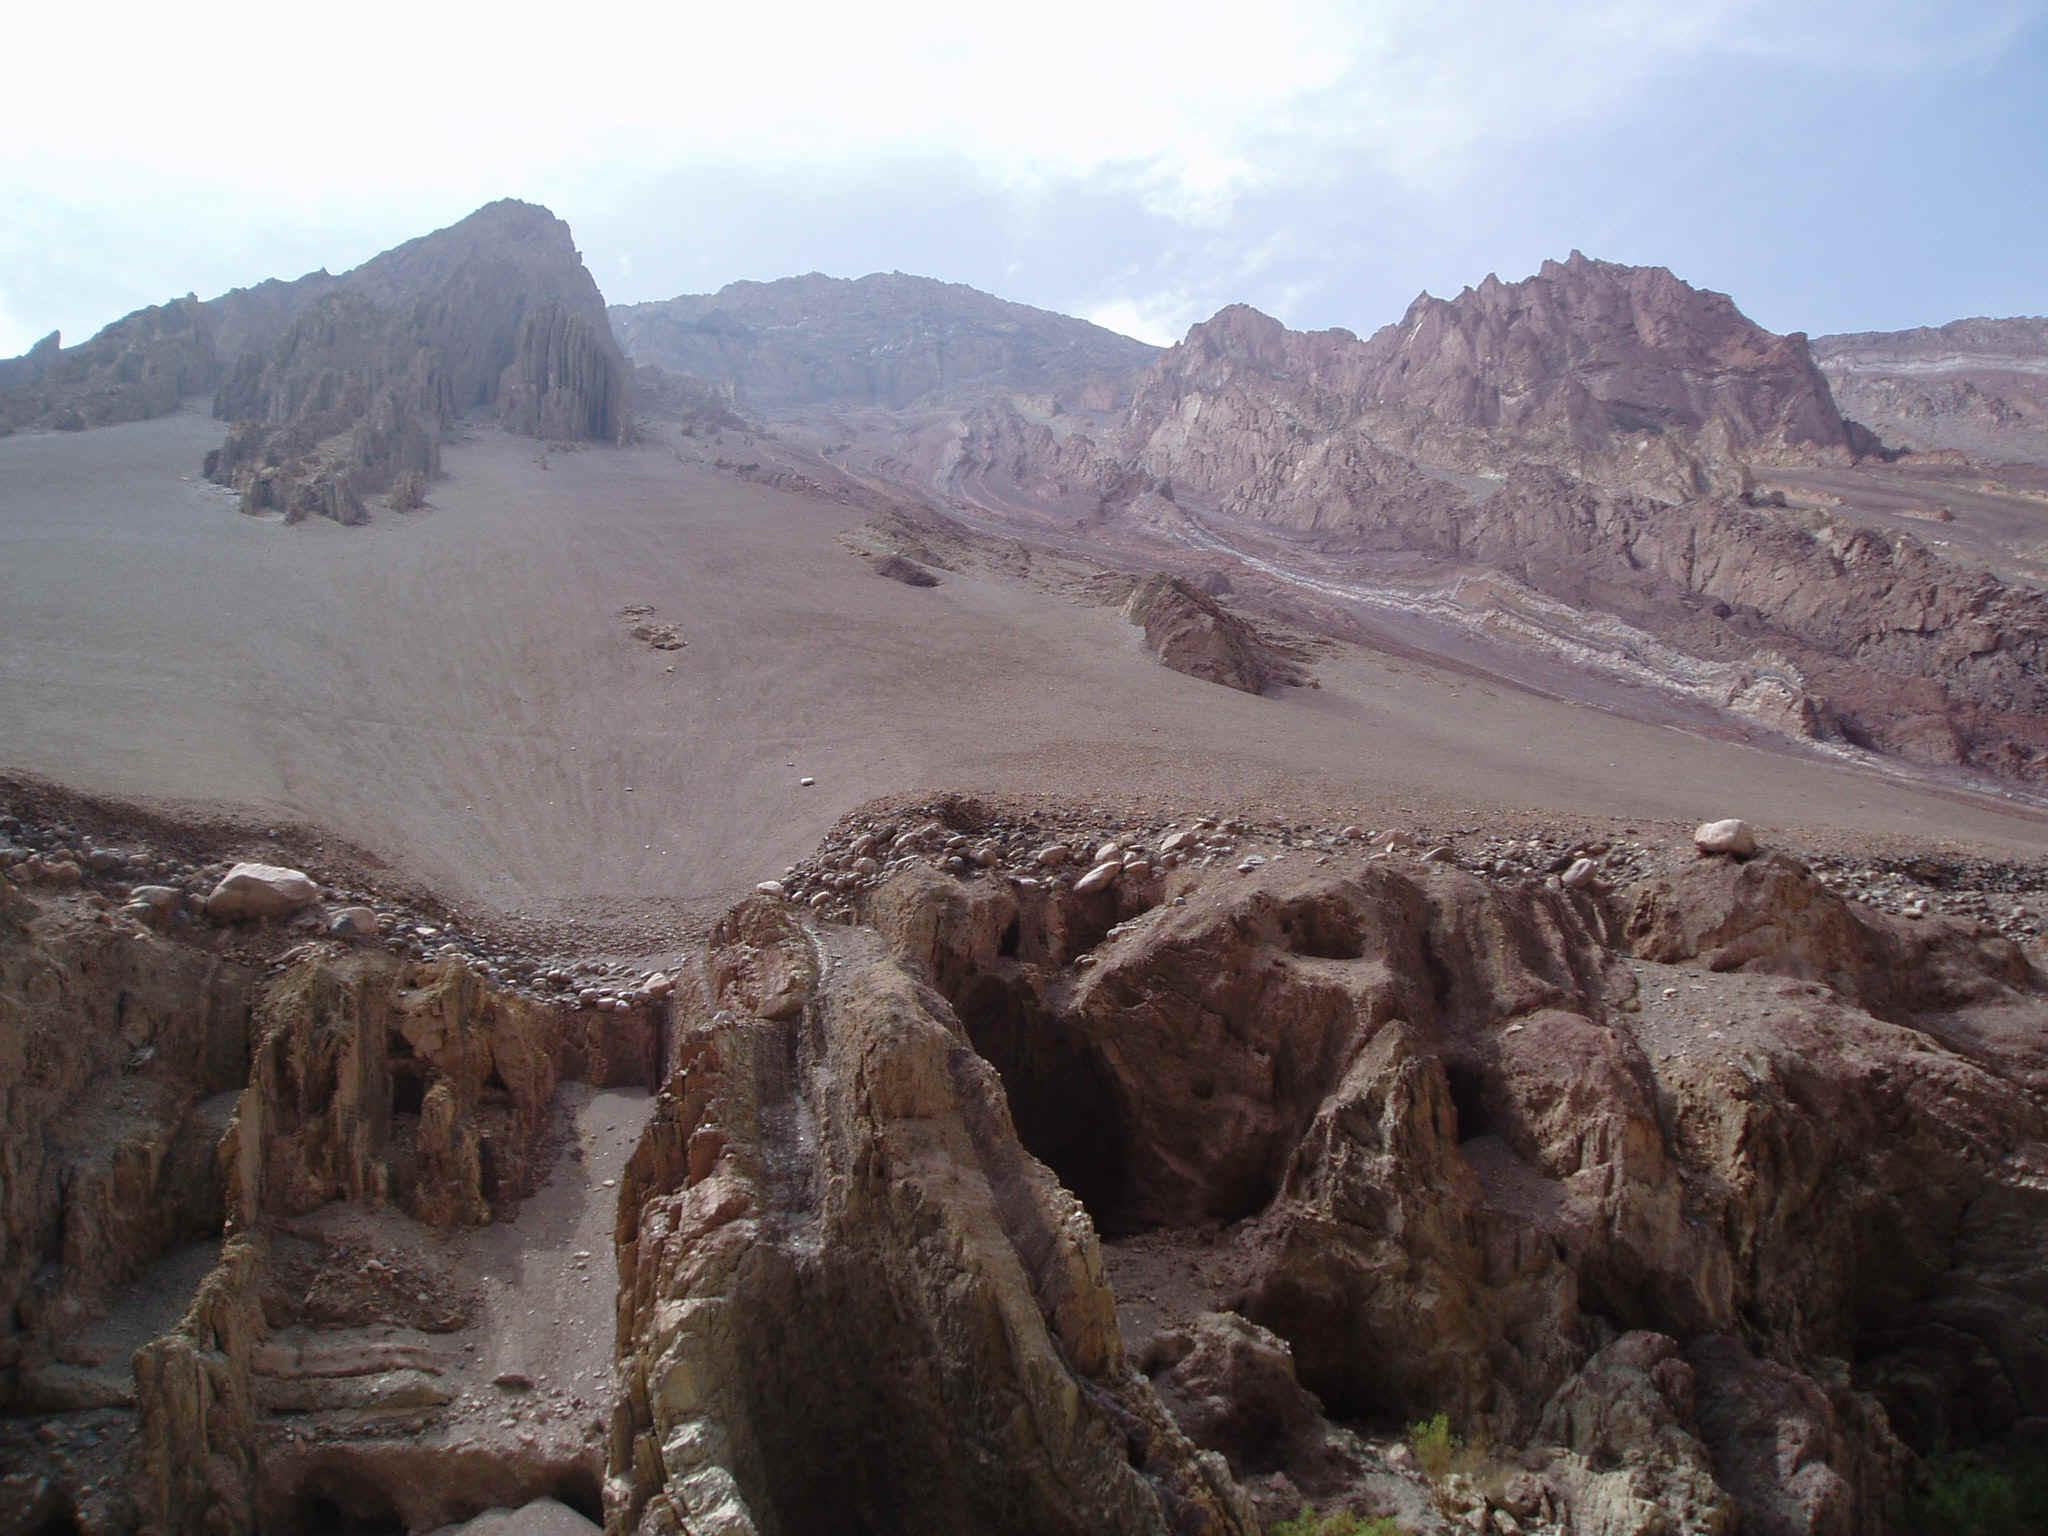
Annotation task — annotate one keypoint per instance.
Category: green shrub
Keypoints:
(1336, 1523)
(1972, 1493)
(1436, 1448)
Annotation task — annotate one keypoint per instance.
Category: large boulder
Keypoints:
(1189, 631)
(260, 891)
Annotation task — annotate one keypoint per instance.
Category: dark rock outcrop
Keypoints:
(850, 1299)
(1191, 632)
(1459, 1154)
(150, 362)
(495, 313)
(887, 339)
(138, 367)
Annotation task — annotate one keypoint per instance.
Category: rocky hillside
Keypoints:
(1623, 375)
(495, 313)
(1589, 352)
(888, 339)
(148, 363)
(339, 388)
(1977, 386)
(1018, 1170)
(1588, 435)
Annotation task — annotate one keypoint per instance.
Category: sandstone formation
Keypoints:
(1191, 632)
(1978, 387)
(888, 340)
(495, 313)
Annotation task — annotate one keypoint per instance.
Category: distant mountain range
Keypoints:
(1595, 436)
(887, 340)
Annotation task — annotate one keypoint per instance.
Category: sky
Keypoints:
(1832, 165)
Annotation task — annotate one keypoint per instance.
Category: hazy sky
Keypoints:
(1833, 165)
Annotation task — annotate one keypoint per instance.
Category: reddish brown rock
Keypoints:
(1192, 632)
(1461, 1151)
(1976, 386)
(850, 1298)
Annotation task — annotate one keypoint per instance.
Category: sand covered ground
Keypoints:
(458, 691)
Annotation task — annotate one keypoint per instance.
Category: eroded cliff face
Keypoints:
(1624, 376)
(138, 367)
(1007, 1182)
(1705, 1201)
(495, 313)
(1978, 386)
(1398, 454)
(850, 1298)
(1586, 352)
(249, 1273)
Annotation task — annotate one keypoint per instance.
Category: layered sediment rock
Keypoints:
(1976, 386)
(1587, 435)
(1189, 631)
(198, 1335)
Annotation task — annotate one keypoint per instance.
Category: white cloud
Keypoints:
(16, 337)
(1160, 318)
(1192, 103)
(354, 133)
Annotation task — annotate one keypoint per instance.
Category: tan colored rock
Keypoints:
(1730, 837)
(1100, 878)
(353, 923)
(255, 891)
(775, 1278)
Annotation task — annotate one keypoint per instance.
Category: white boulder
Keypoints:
(261, 890)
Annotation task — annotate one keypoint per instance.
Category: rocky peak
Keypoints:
(1588, 350)
(888, 339)
(494, 313)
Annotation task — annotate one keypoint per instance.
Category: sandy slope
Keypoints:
(456, 691)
